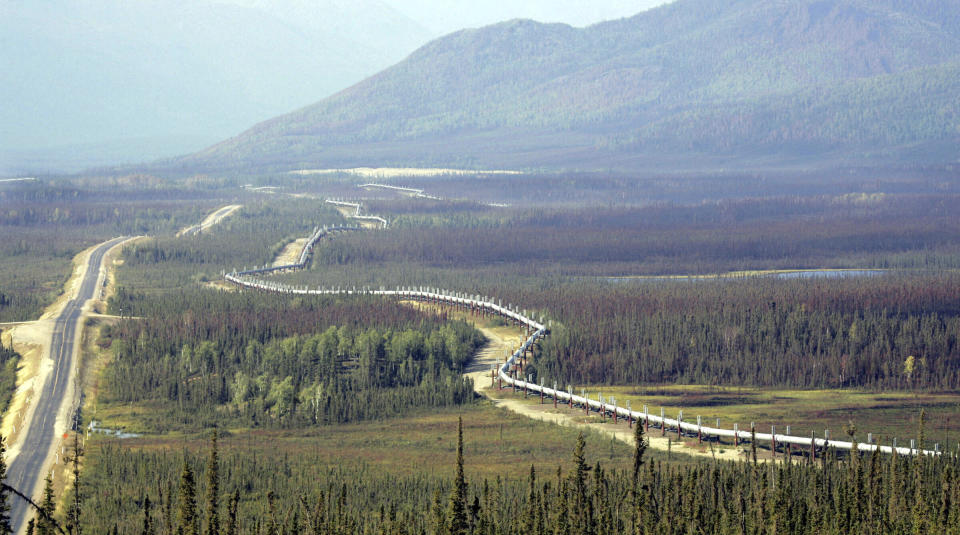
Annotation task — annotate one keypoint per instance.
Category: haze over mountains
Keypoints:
(98, 82)
(130, 80)
(696, 82)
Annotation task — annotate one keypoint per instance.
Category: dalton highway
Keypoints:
(29, 468)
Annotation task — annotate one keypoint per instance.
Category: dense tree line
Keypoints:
(569, 189)
(862, 493)
(21, 305)
(847, 231)
(269, 361)
(852, 332)
(848, 332)
(131, 217)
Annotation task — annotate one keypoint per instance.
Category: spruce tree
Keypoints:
(649, 519)
(920, 520)
(458, 495)
(187, 512)
(875, 513)
(232, 507)
(856, 498)
(581, 516)
(317, 515)
(530, 514)
(894, 503)
(640, 447)
(480, 524)
(73, 511)
(439, 518)
(561, 523)
(473, 517)
(5, 528)
(945, 502)
(47, 507)
(213, 489)
(168, 508)
(273, 525)
(294, 526)
(603, 518)
(147, 528)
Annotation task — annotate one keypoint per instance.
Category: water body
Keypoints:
(829, 273)
(800, 274)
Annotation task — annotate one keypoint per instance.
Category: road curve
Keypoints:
(27, 470)
(511, 374)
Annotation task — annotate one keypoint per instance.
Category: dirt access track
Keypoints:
(503, 340)
(290, 253)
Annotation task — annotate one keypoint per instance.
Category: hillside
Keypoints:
(705, 81)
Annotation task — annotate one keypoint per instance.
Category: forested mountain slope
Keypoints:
(749, 79)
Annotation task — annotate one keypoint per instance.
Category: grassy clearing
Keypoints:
(497, 442)
(885, 414)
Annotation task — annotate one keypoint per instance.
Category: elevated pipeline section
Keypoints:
(356, 214)
(305, 254)
(536, 330)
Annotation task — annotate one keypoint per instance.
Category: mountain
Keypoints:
(145, 78)
(764, 82)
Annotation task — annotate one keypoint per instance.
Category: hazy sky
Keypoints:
(98, 81)
(444, 16)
